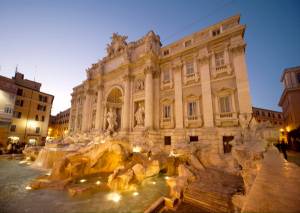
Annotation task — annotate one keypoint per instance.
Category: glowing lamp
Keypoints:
(135, 193)
(98, 182)
(115, 197)
(28, 188)
(82, 180)
(136, 149)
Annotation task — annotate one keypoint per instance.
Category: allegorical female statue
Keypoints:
(140, 115)
(111, 118)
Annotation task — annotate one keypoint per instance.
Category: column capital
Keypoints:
(203, 59)
(149, 69)
(127, 77)
(100, 87)
(237, 49)
(177, 66)
(89, 91)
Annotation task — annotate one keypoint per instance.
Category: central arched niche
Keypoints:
(114, 101)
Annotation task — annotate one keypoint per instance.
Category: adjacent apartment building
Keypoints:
(8, 91)
(266, 115)
(31, 111)
(59, 125)
(193, 89)
(290, 98)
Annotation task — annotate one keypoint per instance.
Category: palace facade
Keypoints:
(195, 89)
(28, 110)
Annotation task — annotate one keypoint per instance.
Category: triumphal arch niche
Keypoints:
(193, 90)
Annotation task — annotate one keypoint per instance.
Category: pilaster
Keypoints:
(149, 96)
(177, 71)
(206, 91)
(99, 109)
(126, 105)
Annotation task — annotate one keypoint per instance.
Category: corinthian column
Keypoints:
(86, 111)
(206, 91)
(149, 97)
(126, 105)
(178, 95)
(99, 109)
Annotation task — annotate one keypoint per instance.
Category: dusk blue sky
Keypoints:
(54, 41)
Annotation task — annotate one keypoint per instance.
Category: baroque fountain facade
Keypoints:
(182, 110)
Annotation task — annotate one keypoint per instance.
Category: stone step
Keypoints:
(212, 195)
(210, 207)
(211, 201)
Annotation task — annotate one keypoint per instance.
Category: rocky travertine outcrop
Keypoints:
(31, 152)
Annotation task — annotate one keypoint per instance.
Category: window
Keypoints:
(193, 139)
(167, 111)
(226, 143)
(17, 114)
(19, 103)
(189, 68)
(13, 128)
(36, 117)
(225, 104)
(219, 57)
(43, 98)
(37, 130)
(166, 76)
(167, 140)
(166, 52)
(43, 118)
(216, 32)
(19, 92)
(8, 110)
(192, 110)
(279, 116)
(41, 107)
(269, 114)
(298, 77)
(188, 43)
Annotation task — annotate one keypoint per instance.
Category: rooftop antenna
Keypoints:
(16, 68)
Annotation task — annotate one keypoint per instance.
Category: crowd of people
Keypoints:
(12, 148)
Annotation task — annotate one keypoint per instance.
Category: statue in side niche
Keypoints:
(140, 115)
(111, 118)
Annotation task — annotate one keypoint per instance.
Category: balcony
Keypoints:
(226, 68)
(226, 119)
(167, 123)
(193, 121)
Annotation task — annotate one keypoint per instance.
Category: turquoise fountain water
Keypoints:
(14, 197)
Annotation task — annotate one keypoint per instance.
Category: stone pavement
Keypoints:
(276, 187)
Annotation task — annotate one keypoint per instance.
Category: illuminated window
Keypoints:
(19, 92)
(17, 114)
(166, 52)
(219, 58)
(188, 43)
(13, 128)
(167, 111)
(189, 68)
(192, 113)
(19, 102)
(8, 110)
(166, 76)
(225, 104)
(216, 32)
(37, 130)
